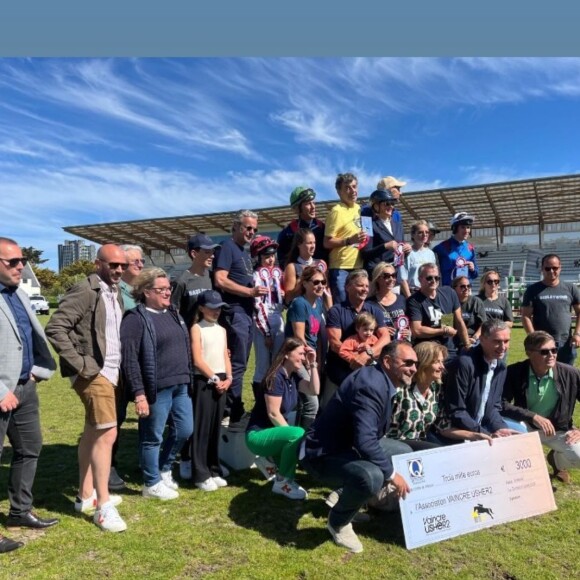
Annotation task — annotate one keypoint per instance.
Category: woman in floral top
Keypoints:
(416, 408)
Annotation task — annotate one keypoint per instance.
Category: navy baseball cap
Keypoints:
(210, 299)
(200, 241)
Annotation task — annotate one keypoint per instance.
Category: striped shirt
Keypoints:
(114, 314)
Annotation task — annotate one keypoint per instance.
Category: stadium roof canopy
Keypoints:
(542, 201)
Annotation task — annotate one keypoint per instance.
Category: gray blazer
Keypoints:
(11, 349)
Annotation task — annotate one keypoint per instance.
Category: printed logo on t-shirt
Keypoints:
(435, 315)
(314, 325)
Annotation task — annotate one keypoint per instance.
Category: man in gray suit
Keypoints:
(24, 360)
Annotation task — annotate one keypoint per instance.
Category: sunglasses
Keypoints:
(13, 262)
(433, 278)
(410, 362)
(166, 290)
(391, 202)
(116, 265)
(138, 262)
(551, 268)
(249, 229)
(388, 276)
(492, 282)
(547, 351)
(318, 282)
(465, 286)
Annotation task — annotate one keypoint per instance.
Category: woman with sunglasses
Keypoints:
(157, 370)
(301, 256)
(496, 307)
(394, 306)
(386, 242)
(472, 310)
(303, 322)
(416, 407)
(420, 254)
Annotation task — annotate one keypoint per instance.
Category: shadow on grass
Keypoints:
(283, 520)
(57, 478)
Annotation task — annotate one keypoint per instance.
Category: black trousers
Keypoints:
(22, 426)
(208, 410)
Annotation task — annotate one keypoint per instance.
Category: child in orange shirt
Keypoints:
(361, 342)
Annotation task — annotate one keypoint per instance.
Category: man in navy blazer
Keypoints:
(346, 447)
(24, 360)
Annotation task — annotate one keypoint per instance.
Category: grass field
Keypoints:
(244, 531)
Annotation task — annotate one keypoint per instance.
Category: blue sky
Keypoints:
(91, 141)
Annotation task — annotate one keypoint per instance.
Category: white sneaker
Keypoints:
(346, 538)
(185, 469)
(220, 481)
(225, 470)
(116, 482)
(167, 479)
(108, 519)
(267, 468)
(208, 485)
(89, 505)
(159, 491)
(289, 489)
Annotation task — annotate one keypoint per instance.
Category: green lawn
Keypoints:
(243, 531)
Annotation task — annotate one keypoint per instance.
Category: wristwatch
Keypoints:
(215, 380)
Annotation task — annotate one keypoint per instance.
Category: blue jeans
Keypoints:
(171, 401)
(515, 425)
(337, 281)
(359, 479)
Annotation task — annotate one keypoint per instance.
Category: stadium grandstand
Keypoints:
(516, 222)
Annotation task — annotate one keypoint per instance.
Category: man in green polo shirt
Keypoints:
(542, 393)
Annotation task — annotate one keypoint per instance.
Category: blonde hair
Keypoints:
(427, 353)
(145, 281)
(377, 273)
(365, 319)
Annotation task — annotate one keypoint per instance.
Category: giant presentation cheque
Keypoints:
(464, 488)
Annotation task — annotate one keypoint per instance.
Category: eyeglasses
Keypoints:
(410, 362)
(492, 282)
(318, 282)
(388, 276)
(433, 278)
(465, 286)
(249, 228)
(138, 262)
(547, 351)
(116, 265)
(13, 262)
(166, 290)
(551, 268)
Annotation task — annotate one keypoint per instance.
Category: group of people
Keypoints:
(365, 346)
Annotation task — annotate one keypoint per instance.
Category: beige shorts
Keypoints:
(98, 397)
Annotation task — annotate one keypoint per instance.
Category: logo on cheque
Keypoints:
(415, 467)
(480, 513)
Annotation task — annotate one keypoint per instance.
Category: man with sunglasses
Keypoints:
(85, 332)
(135, 263)
(24, 361)
(302, 200)
(547, 306)
(456, 255)
(346, 447)
(427, 307)
(234, 278)
(542, 393)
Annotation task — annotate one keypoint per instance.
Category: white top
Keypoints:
(213, 345)
(415, 259)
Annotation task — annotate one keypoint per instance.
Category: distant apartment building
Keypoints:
(73, 251)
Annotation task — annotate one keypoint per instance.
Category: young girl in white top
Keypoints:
(213, 377)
